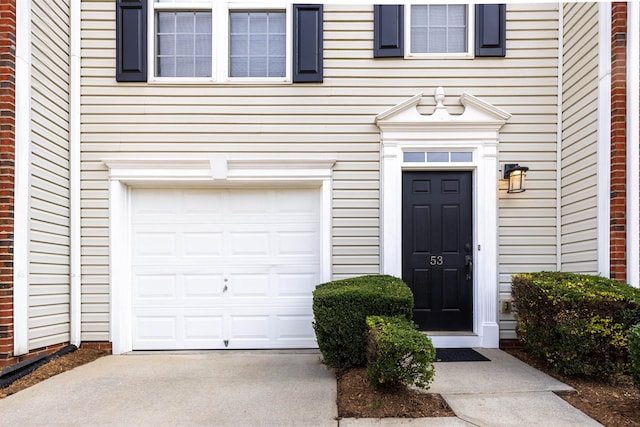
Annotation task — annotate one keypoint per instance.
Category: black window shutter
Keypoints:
(131, 40)
(388, 31)
(307, 43)
(491, 22)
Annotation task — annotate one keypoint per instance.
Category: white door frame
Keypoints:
(213, 171)
(404, 129)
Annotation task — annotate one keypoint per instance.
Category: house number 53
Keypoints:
(436, 260)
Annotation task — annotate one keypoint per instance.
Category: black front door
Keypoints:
(437, 240)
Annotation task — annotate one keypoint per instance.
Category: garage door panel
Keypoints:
(200, 244)
(221, 265)
(155, 244)
(203, 329)
(296, 284)
(199, 286)
(155, 286)
(249, 243)
(297, 243)
(156, 328)
(171, 289)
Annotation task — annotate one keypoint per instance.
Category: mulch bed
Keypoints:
(357, 398)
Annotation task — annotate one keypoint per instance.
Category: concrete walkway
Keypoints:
(272, 389)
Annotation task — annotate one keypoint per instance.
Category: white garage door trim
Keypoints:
(221, 171)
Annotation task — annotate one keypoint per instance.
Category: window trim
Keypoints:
(469, 54)
(220, 39)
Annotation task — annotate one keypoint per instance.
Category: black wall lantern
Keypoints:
(516, 175)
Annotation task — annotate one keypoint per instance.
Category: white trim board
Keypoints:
(212, 171)
(476, 130)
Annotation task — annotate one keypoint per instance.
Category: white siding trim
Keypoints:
(604, 139)
(559, 141)
(215, 170)
(477, 129)
(22, 174)
(633, 142)
(75, 305)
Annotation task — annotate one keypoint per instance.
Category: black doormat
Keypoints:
(459, 355)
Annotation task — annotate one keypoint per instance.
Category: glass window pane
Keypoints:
(418, 15)
(462, 157)
(457, 40)
(184, 66)
(203, 66)
(257, 45)
(457, 15)
(258, 23)
(258, 67)
(413, 156)
(437, 157)
(437, 15)
(185, 22)
(185, 44)
(437, 40)
(277, 23)
(239, 45)
(166, 66)
(419, 40)
(277, 67)
(203, 45)
(203, 23)
(166, 22)
(239, 67)
(277, 45)
(239, 22)
(166, 44)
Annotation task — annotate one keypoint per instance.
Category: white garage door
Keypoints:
(224, 268)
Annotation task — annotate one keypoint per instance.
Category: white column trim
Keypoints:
(604, 140)
(559, 141)
(75, 306)
(633, 144)
(22, 176)
(234, 170)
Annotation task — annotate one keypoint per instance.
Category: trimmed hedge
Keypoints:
(634, 353)
(398, 354)
(577, 323)
(340, 309)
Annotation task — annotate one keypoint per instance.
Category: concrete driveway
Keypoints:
(230, 388)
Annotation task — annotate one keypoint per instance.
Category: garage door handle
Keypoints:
(225, 288)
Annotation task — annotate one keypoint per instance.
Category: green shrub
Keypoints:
(577, 323)
(340, 309)
(398, 353)
(634, 353)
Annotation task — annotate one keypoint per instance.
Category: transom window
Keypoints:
(439, 29)
(219, 40)
(437, 156)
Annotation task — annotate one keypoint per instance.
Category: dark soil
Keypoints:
(53, 367)
(357, 398)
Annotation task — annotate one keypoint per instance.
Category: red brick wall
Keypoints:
(618, 227)
(7, 168)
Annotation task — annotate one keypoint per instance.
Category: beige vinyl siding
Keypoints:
(337, 117)
(579, 136)
(49, 182)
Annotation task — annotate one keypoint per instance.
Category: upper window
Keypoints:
(217, 40)
(439, 28)
(183, 44)
(257, 44)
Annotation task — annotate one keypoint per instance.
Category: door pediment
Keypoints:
(477, 114)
